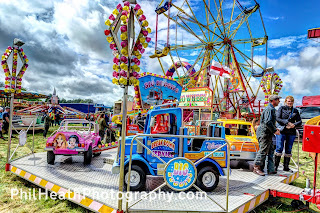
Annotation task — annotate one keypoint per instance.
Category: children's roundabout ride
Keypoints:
(169, 160)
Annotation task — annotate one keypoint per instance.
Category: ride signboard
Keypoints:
(196, 97)
(157, 90)
(180, 174)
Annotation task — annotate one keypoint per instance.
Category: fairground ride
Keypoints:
(229, 33)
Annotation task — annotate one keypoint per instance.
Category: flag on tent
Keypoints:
(218, 69)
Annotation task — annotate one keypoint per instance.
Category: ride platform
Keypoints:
(84, 182)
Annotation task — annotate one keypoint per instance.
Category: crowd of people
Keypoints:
(276, 131)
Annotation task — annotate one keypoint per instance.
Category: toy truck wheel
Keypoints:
(137, 178)
(50, 157)
(88, 156)
(207, 179)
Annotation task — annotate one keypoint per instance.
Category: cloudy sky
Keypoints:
(68, 50)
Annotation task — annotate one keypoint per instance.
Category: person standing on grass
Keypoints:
(1, 122)
(57, 118)
(47, 122)
(265, 132)
(6, 117)
(102, 126)
(288, 119)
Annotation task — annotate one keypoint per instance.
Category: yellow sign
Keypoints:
(197, 97)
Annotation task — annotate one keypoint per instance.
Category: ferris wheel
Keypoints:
(227, 33)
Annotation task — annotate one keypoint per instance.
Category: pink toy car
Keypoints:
(75, 137)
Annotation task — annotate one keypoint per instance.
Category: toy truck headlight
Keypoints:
(233, 147)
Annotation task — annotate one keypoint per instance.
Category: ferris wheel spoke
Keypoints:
(234, 32)
(184, 27)
(245, 56)
(188, 46)
(247, 22)
(234, 1)
(192, 19)
(218, 17)
(208, 9)
(240, 16)
(264, 28)
(222, 21)
(246, 81)
(253, 41)
(198, 21)
(164, 73)
(211, 57)
(190, 30)
(245, 18)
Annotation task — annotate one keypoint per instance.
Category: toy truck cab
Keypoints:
(242, 138)
(169, 122)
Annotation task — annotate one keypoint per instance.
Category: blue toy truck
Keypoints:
(168, 121)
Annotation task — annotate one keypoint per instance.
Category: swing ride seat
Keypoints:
(163, 8)
(159, 54)
(257, 75)
(260, 41)
(251, 9)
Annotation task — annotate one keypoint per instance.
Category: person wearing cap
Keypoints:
(265, 132)
(288, 119)
(6, 117)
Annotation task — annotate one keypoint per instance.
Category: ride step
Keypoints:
(109, 160)
(152, 182)
(109, 157)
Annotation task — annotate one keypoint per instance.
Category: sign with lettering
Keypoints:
(180, 174)
(157, 90)
(163, 148)
(196, 97)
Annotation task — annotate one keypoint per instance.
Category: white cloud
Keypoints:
(285, 41)
(274, 18)
(300, 72)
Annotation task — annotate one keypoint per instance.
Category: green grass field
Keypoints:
(15, 204)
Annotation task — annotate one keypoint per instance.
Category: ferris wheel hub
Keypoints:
(226, 40)
(210, 46)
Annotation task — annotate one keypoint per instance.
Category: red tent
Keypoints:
(311, 100)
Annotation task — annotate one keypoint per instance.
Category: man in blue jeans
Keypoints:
(265, 132)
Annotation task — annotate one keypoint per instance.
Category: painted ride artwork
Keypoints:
(72, 138)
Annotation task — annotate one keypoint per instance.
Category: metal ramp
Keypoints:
(247, 190)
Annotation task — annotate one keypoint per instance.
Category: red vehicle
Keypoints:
(310, 108)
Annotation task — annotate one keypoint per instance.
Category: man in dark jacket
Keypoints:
(265, 132)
